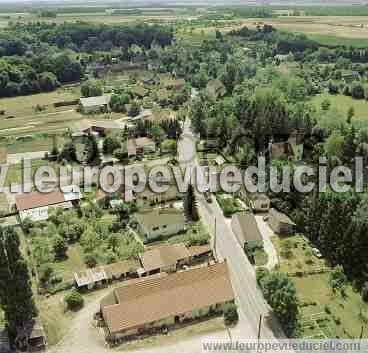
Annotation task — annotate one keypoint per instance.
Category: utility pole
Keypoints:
(259, 331)
(229, 333)
(259, 327)
(215, 239)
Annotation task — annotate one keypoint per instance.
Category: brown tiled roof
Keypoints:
(153, 299)
(163, 256)
(199, 250)
(122, 267)
(246, 228)
(281, 217)
(37, 199)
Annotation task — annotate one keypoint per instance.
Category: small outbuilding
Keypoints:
(31, 336)
(246, 229)
(280, 223)
(93, 105)
(165, 258)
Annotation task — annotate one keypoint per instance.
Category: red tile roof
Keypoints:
(37, 199)
(153, 299)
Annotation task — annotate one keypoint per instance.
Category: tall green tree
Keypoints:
(16, 295)
(190, 205)
(280, 293)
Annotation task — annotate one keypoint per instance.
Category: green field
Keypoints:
(331, 40)
(73, 263)
(343, 103)
(15, 171)
(344, 318)
(322, 313)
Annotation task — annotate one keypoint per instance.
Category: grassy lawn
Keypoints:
(197, 231)
(343, 103)
(73, 263)
(4, 206)
(333, 40)
(322, 314)
(54, 318)
(295, 254)
(260, 257)
(15, 172)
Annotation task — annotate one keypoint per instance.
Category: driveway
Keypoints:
(267, 234)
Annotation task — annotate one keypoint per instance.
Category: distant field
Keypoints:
(343, 103)
(31, 130)
(331, 30)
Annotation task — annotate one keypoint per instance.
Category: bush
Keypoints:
(45, 274)
(60, 247)
(260, 273)
(74, 301)
(357, 90)
(231, 315)
(90, 260)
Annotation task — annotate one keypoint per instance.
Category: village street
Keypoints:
(249, 298)
(84, 338)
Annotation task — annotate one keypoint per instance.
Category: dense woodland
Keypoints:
(38, 57)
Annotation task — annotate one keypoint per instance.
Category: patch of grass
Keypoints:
(73, 263)
(54, 318)
(343, 103)
(4, 206)
(197, 232)
(335, 41)
(299, 255)
(344, 317)
(15, 172)
(260, 257)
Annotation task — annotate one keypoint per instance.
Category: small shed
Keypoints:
(280, 223)
(31, 336)
(258, 201)
(99, 104)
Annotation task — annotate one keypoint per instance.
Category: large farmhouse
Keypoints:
(36, 205)
(163, 301)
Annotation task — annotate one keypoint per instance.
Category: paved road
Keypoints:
(249, 297)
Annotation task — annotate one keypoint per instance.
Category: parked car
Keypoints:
(317, 253)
